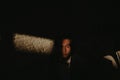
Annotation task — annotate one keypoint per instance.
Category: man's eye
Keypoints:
(68, 46)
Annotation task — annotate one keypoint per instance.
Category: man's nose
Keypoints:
(65, 49)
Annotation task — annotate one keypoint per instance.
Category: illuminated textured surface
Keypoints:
(33, 44)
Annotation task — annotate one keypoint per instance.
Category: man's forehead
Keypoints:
(66, 41)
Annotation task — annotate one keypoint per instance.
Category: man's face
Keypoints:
(66, 48)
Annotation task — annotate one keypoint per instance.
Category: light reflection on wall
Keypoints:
(33, 44)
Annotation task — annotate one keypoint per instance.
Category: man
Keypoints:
(60, 60)
(71, 65)
(66, 50)
(68, 63)
(63, 64)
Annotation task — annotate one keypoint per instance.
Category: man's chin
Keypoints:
(66, 56)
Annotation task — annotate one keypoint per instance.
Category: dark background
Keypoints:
(91, 23)
(94, 27)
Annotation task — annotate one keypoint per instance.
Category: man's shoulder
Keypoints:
(80, 60)
(79, 57)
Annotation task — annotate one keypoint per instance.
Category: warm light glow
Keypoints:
(33, 44)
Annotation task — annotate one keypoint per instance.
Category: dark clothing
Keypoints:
(84, 68)
(102, 69)
(63, 71)
(108, 71)
(59, 69)
(78, 69)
